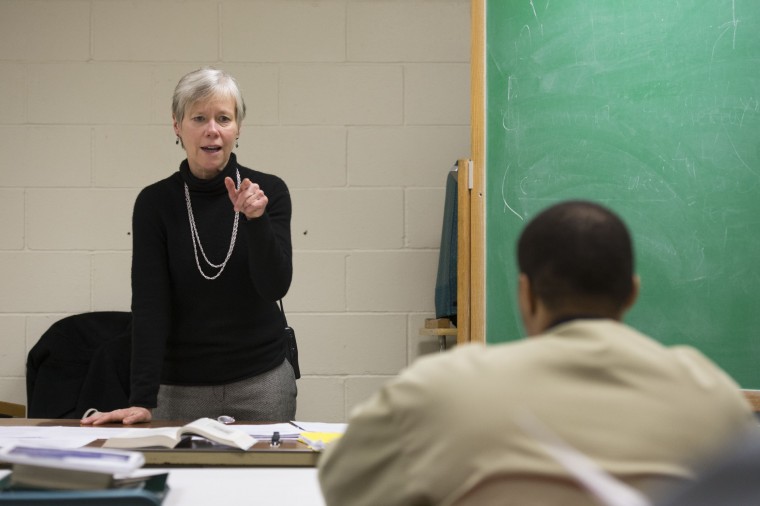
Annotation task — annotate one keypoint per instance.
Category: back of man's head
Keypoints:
(578, 255)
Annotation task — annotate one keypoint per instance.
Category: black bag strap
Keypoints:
(291, 347)
(282, 310)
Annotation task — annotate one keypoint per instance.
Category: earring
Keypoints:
(236, 143)
(177, 141)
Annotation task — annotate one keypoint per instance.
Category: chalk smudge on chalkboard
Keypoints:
(524, 29)
(728, 25)
(507, 119)
(504, 195)
(752, 105)
(511, 88)
(739, 156)
(535, 15)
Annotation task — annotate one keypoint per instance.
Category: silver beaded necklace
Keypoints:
(197, 238)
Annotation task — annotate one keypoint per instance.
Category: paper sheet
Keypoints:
(56, 437)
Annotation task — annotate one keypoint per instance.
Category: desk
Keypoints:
(283, 476)
(242, 486)
(280, 486)
(289, 454)
(236, 486)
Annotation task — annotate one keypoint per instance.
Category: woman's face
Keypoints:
(208, 133)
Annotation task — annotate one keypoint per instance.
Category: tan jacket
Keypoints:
(450, 421)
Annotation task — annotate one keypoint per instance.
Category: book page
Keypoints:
(140, 438)
(219, 433)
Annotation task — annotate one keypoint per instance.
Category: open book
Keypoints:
(170, 437)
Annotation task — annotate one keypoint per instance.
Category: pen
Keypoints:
(275, 439)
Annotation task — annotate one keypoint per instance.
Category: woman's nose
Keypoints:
(212, 128)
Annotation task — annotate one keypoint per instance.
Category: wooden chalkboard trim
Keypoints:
(464, 244)
(477, 194)
(753, 396)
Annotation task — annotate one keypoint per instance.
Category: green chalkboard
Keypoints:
(651, 107)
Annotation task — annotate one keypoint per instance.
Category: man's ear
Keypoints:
(635, 287)
(528, 304)
(525, 294)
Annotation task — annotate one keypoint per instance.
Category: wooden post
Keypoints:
(477, 193)
(463, 251)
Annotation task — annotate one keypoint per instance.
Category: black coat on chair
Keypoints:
(80, 362)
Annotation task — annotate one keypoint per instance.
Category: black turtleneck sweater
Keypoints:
(188, 330)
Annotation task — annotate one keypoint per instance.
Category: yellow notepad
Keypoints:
(318, 440)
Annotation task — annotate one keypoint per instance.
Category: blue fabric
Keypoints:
(446, 281)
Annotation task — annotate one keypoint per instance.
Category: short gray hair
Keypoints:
(202, 84)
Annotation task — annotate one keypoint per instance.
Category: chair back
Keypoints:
(534, 490)
(12, 410)
(81, 362)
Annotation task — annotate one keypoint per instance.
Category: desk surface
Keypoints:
(290, 453)
(233, 486)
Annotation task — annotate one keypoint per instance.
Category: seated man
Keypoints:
(455, 425)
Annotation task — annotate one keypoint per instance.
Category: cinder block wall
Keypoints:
(361, 106)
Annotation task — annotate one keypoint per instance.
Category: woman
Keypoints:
(211, 257)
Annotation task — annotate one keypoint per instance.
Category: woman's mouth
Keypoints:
(211, 149)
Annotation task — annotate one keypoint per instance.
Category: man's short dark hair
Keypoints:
(575, 253)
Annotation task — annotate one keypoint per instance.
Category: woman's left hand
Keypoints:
(249, 199)
(127, 416)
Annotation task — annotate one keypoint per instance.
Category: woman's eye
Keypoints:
(198, 118)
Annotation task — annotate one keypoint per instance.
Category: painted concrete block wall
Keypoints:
(361, 106)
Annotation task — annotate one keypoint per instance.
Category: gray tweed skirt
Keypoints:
(268, 397)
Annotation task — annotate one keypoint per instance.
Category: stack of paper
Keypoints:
(321, 426)
(266, 431)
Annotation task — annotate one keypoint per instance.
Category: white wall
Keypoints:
(360, 106)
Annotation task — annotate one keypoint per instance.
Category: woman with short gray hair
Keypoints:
(211, 257)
